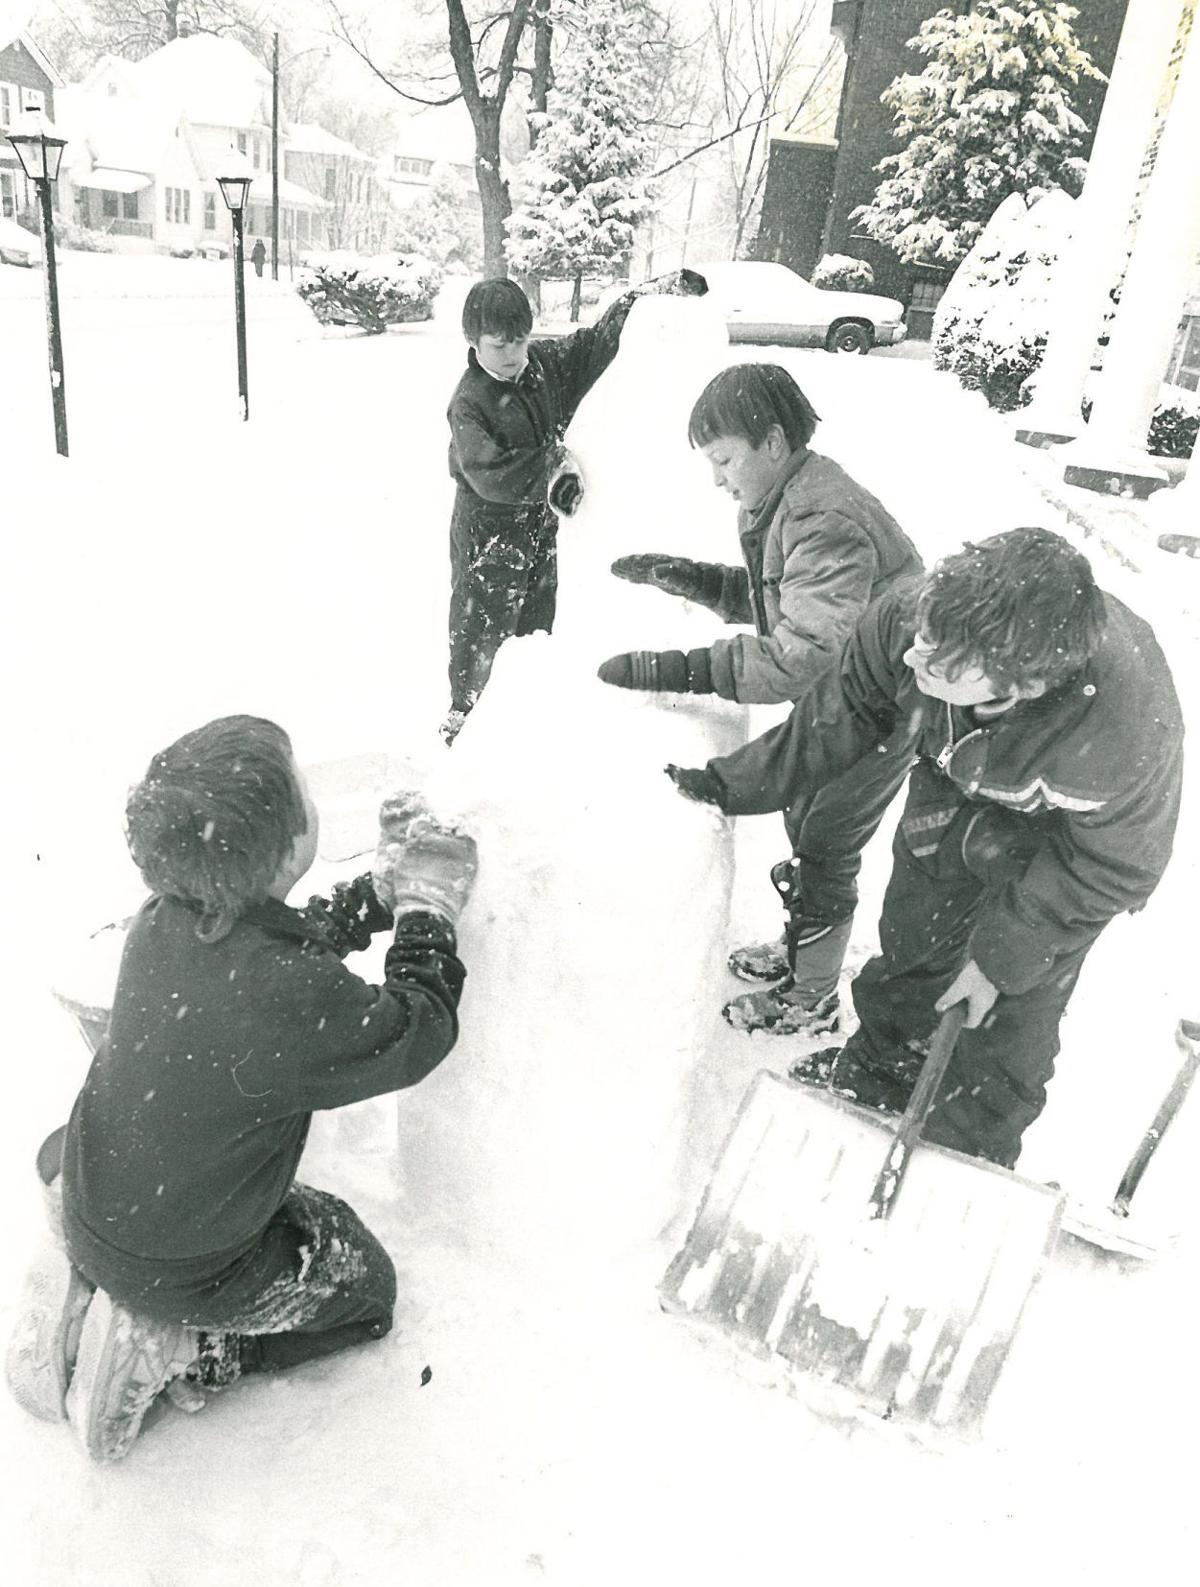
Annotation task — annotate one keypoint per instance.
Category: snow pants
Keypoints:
(995, 1085)
(503, 582)
(828, 831)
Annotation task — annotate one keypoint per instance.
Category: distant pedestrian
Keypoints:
(258, 257)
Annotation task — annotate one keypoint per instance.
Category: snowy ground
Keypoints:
(181, 565)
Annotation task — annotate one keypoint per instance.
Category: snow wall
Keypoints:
(558, 1127)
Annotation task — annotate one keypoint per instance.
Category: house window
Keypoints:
(8, 194)
(926, 295)
(129, 206)
(330, 182)
(210, 212)
(108, 205)
(241, 142)
(302, 225)
(32, 99)
(187, 206)
(408, 166)
(8, 103)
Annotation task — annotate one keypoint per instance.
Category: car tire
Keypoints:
(850, 336)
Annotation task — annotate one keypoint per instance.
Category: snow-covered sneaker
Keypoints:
(45, 1338)
(760, 961)
(452, 726)
(815, 1068)
(125, 1361)
(783, 1012)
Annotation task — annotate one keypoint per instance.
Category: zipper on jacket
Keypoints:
(946, 755)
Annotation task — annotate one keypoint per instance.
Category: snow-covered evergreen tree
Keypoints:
(443, 224)
(990, 115)
(582, 196)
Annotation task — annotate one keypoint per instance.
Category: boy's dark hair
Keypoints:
(1022, 605)
(215, 816)
(746, 400)
(496, 307)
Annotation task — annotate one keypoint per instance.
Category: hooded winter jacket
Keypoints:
(817, 552)
(1096, 764)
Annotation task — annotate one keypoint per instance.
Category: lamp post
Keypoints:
(39, 150)
(234, 188)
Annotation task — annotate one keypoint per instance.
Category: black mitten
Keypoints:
(696, 783)
(660, 671)
(703, 582)
(347, 919)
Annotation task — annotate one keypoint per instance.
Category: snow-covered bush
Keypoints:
(442, 224)
(1174, 423)
(991, 326)
(392, 289)
(838, 272)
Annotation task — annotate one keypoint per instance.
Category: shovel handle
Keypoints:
(1187, 1037)
(908, 1132)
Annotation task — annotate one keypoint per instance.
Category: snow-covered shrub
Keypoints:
(347, 289)
(1174, 423)
(991, 326)
(442, 224)
(838, 272)
(82, 238)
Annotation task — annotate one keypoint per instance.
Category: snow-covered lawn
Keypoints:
(182, 564)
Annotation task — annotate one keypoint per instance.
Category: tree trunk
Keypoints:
(576, 297)
(495, 203)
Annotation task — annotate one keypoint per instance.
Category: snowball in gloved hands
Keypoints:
(437, 869)
(397, 814)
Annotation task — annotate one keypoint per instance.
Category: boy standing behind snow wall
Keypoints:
(817, 549)
(1045, 738)
(507, 416)
(233, 1020)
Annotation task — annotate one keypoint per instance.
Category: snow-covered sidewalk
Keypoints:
(182, 565)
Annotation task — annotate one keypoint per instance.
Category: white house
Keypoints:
(147, 139)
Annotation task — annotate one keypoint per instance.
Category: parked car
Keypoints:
(18, 246)
(770, 304)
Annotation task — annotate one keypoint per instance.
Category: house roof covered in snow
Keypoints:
(214, 82)
(124, 134)
(16, 34)
(305, 137)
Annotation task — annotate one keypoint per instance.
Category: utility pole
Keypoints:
(275, 158)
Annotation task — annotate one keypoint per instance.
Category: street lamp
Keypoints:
(234, 187)
(39, 150)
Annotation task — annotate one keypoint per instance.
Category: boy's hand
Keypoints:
(660, 671)
(436, 870)
(565, 490)
(972, 987)
(397, 814)
(693, 581)
(696, 783)
(676, 283)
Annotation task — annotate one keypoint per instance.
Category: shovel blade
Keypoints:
(912, 1315)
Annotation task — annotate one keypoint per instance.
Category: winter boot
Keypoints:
(125, 1361)
(783, 1011)
(769, 961)
(45, 1338)
(815, 1068)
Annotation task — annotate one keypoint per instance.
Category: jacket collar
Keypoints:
(272, 915)
(761, 516)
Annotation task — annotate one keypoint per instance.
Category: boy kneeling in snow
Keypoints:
(1045, 739)
(233, 1021)
(817, 549)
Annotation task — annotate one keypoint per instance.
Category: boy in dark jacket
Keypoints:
(508, 415)
(817, 549)
(233, 1020)
(1048, 748)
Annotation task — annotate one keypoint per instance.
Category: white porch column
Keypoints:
(1091, 261)
(1111, 455)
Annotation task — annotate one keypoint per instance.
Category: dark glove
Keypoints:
(565, 489)
(696, 783)
(347, 919)
(663, 671)
(693, 581)
(676, 283)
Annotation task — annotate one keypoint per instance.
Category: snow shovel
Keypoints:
(872, 1267)
(1113, 1229)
